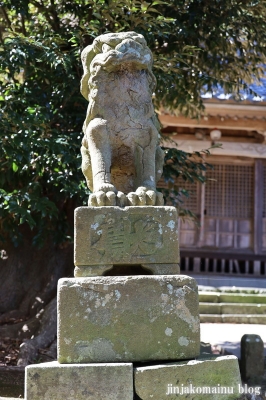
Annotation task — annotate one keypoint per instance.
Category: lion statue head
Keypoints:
(113, 52)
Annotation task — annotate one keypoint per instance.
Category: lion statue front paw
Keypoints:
(142, 197)
(110, 198)
(145, 197)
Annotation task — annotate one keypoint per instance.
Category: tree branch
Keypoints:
(23, 25)
(52, 19)
(55, 16)
(6, 17)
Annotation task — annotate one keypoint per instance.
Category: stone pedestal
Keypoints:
(105, 323)
(108, 236)
(129, 318)
(54, 381)
(216, 378)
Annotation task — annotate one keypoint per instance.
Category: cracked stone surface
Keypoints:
(121, 158)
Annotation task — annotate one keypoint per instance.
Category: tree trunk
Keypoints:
(28, 276)
(45, 335)
(28, 286)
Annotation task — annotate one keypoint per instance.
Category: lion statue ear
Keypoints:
(87, 56)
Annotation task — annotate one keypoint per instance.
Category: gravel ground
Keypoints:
(9, 349)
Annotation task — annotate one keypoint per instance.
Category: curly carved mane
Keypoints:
(113, 52)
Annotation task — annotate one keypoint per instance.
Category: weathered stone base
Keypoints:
(128, 319)
(201, 379)
(54, 381)
(108, 236)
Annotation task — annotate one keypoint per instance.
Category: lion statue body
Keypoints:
(121, 158)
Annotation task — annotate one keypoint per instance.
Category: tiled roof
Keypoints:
(260, 96)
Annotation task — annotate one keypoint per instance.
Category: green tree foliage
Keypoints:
(197, 45)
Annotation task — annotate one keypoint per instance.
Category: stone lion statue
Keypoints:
(121, 158)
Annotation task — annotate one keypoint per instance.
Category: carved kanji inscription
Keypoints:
(130, 235)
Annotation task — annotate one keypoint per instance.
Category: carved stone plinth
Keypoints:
(108, 236)
(54, 381)
(127, 319)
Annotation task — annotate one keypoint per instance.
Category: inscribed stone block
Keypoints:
(107, 236)
(202, 379)
(54, 381)
(129, 318)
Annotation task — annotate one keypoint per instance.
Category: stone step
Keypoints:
(218, 297)
(232, 308)
(233, 318)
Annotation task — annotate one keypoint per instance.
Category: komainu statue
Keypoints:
(121, 158)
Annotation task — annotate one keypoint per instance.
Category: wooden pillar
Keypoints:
(258, 205)
(201, 208)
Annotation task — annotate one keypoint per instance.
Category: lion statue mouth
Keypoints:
(121, 158)
(128, 54)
